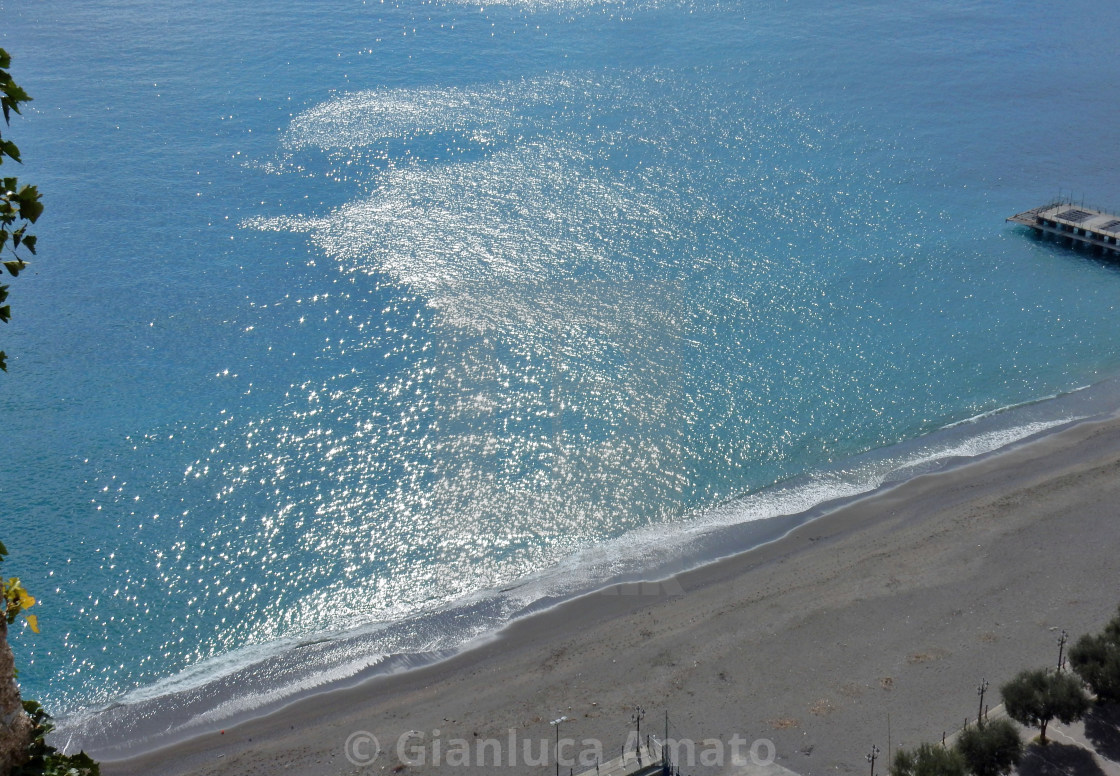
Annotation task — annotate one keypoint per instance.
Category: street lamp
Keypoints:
(556, 724)
(980, 691)
(636, 718)
(871, 757)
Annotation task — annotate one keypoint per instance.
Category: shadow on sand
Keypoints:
(1102, 728)
(1058, 760)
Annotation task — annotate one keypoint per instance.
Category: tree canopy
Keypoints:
(1096, 659)
(928, 760)
(1035, 697)
(992, 749)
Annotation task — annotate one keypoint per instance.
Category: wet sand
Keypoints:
(872, 625)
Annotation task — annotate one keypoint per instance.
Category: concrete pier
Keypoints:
(1080, 225)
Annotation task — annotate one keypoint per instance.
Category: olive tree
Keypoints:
(1096, 659)
(991, 749)
(928, 760)
(1035, 697)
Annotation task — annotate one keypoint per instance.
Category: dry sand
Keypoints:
(891, 608)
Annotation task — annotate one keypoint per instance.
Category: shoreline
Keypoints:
(305, 668)
(668, 636)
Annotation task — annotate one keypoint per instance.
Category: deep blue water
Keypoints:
(348, 313)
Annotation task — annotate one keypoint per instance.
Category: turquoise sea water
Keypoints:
(358, 327)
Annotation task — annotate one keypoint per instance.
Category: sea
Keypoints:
(360, 328)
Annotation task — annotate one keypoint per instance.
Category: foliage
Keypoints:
(19, 205)
(1033, 698)
(1097, 662)
(992, 749)
(1096, 659)
(44, 759)
(16, 598)
(1112, 629)
(928, 760)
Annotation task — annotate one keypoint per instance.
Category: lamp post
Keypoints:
(665, 745)
(980, 691)
(636, 718)
(871, 757)
(556, 724)
(1061, 646)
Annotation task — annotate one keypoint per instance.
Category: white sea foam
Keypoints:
(1007, 407)
(989, 442)
(650, 546)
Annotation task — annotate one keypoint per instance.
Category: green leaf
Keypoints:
(30, 208)
(15, 93)
(8, 148)
(14, 267)
(6, 313)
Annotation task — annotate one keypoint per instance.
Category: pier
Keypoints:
(1083, 226)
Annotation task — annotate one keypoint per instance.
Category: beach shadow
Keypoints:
(1058, 760)
(1102, 728)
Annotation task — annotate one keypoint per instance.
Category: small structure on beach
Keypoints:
(1080, 225)
(649, 760)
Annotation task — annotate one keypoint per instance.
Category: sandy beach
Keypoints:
(872, 625)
